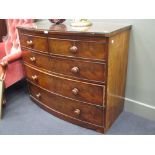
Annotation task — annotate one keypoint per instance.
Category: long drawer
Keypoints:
(78, 48)
(93, 71)
(86, 92)
(75, 109)
(78, 68)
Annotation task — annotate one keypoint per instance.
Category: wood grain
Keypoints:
(38, 42)
(89, 70)
(85, 49)
(93, 71)
(98, 29)
(87, 92)
(36, 59)
(88, 113)
(78, 76)
(68, 118)
(117, 68)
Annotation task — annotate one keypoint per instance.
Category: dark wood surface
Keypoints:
(92, 71)
(117, 69)
(78, 48)
(3, 29)
(77, 76)
(36, 59)
(72, 108)
(34, 42)
(86, 92)
(68, 118)
(97, 28)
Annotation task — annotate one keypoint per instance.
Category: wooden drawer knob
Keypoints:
(34, 77)
(75, 91)
(29, 42)
(38, 95)
(33, 59)
(73, 49)
(75, 70)
(77, 112)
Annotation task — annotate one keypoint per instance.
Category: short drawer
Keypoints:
(86, 92)
(34, 42)
(77, 68)
(78, 48)
(36, 59)
(75, 109)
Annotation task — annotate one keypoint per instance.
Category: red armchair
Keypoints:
(10, 53)
(11, 70)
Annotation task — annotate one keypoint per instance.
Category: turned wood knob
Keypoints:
(75, 91)
(29, 42)
(38, 95)
(75, 70)
(77, 112)
(33, 59)
(73, 49)
(34, 77)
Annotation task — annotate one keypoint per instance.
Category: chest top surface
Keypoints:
(97, 29)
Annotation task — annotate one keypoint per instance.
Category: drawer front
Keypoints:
(36, 59)
(34, 42)
(75, 109)
(82, 91)
(83, 49)
(80, 69)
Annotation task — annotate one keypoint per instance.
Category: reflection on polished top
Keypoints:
(97, 28)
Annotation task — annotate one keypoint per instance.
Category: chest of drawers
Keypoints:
(78, 76)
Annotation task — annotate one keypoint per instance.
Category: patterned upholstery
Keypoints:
(10, 52)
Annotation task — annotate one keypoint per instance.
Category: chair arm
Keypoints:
(3, 64)
(10, 58)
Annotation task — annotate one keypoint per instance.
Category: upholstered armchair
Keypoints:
(11, 70)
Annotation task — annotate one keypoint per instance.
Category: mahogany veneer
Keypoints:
(78, 76)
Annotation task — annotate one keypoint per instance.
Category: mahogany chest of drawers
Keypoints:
(77, 75)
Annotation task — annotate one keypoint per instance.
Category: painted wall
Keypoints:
(140, 87)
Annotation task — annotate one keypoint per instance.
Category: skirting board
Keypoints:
(139, 108)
